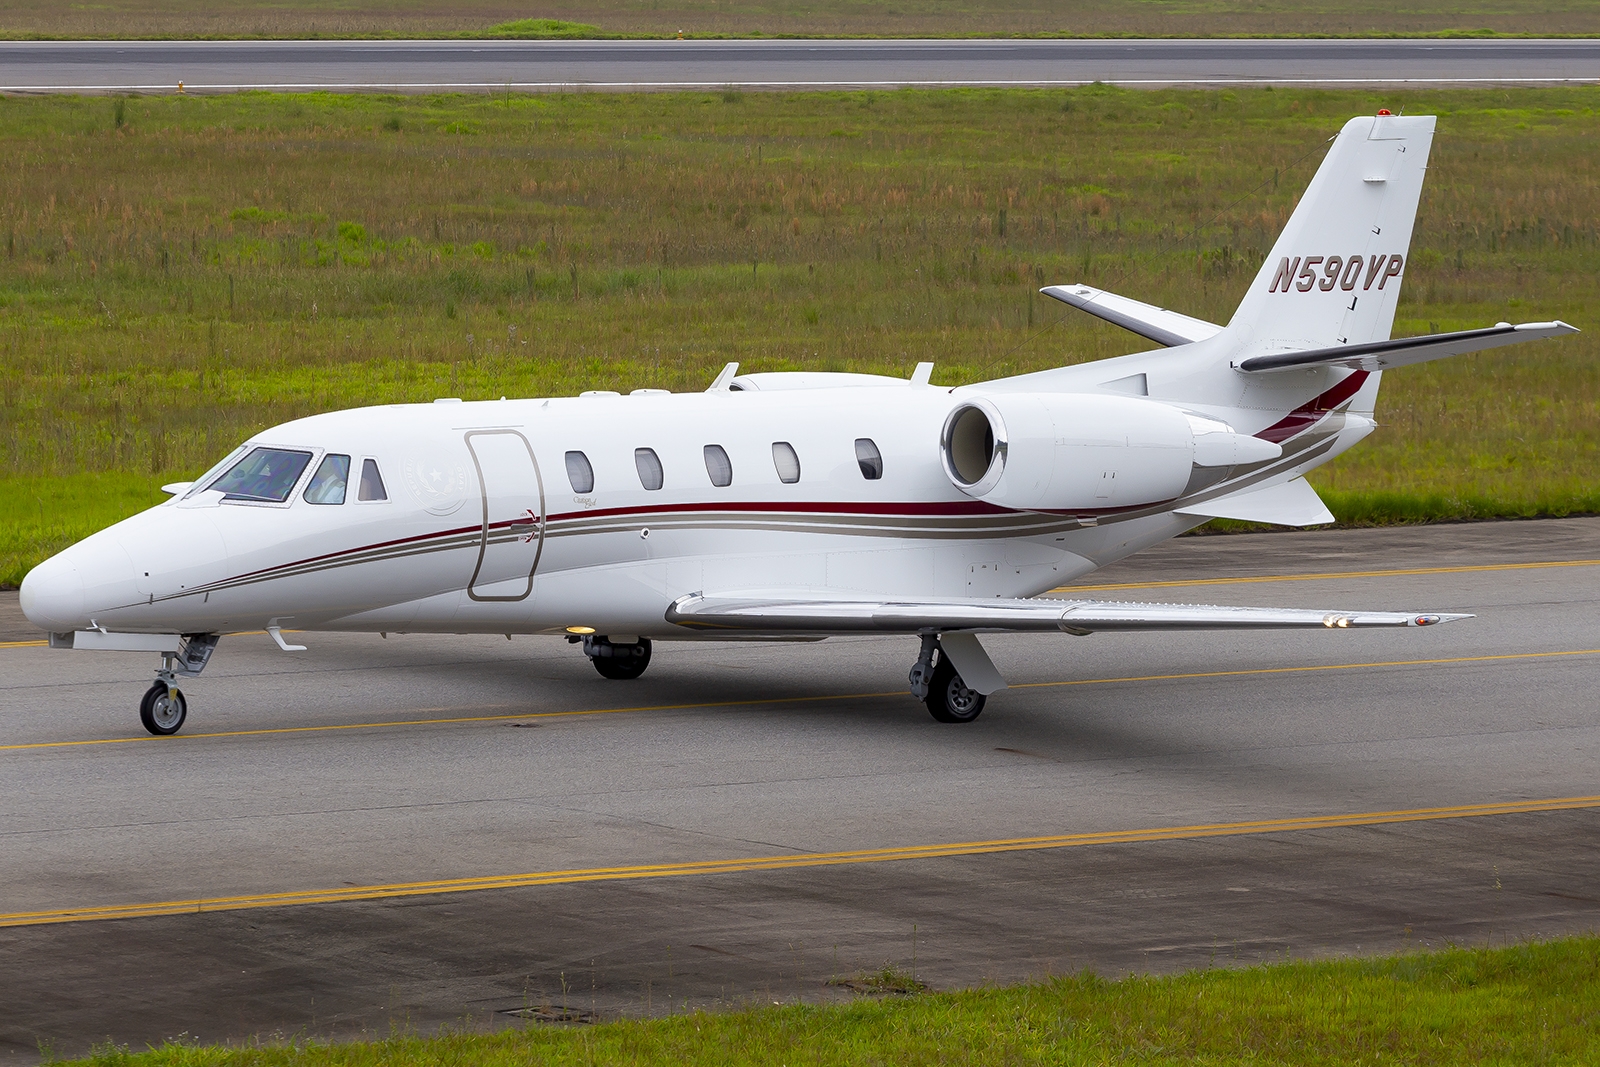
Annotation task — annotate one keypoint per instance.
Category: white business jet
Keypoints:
(797, 505)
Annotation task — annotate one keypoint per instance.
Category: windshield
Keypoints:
(266, 475)
(227, 461)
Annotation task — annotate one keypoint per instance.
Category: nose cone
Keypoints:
(52, 595)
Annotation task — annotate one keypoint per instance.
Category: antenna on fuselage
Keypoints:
(723, 382)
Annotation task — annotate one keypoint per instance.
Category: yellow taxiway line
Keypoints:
(788, 862)
(1331, 575)
(767, 701)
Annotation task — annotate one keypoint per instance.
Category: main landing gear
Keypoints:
(163, 708)
(617, 659)
(934, 681)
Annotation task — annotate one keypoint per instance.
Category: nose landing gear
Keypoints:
(935, 682)
(163, 708)
(617, 660)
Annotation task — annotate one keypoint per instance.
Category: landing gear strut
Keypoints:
(617, 660)
(163, 708)
(934, 681)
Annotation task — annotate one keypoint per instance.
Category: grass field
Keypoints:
(181, 272)
(1533, 1004)
(916, 18)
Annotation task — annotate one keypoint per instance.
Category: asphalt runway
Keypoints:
(221, 66)
(427, 831)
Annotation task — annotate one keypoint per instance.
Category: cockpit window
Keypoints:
(327, 485)
(371, 482)
(266, 475)
(204, 480)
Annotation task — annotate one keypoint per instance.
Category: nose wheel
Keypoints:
(163, 709)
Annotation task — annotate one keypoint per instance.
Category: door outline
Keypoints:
(483, 491)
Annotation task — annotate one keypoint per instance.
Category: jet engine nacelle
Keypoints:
(1077, 452)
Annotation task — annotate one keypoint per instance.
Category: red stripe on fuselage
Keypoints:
(947, 508)
(1314, 410)
(944, 508)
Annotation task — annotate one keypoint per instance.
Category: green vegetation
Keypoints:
(797, 18)
(178, 273)
(1529, 1004)
(547, 30)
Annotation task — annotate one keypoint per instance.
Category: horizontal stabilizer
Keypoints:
(1158, 324)
(803, 614)
(1378, 355)
(1292, 503)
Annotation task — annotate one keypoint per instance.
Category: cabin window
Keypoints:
(869, 459)
(787, 460)
(580, 473)
(265, 475)
(718, 465)
(371, 482)
(649, 465)
(327, 485)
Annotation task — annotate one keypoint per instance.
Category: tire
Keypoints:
(627, 661)
(163, 712)
(949, 699)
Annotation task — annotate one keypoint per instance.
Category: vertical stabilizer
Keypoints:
(1334, 275)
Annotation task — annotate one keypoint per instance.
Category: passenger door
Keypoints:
(513, 515)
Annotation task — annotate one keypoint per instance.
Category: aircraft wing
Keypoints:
(784, 614)
(1158, 324)
(1377, 355)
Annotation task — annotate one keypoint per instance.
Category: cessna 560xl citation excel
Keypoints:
(797, 504)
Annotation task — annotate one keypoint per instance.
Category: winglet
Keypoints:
(723, 382)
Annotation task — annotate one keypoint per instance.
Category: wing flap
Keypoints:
(1164, 327)
(804, 614)
(1379, 355)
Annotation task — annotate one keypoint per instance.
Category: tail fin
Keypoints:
(1333, 277)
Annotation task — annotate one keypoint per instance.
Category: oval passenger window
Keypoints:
(787, 460)
(869, 458)
(649, 465)
(718, 465)
(580, 473)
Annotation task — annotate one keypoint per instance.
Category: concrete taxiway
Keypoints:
(432, 830)
(220, 66)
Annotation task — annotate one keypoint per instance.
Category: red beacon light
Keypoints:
(1384, 111)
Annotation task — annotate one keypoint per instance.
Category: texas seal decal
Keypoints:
(439, 486)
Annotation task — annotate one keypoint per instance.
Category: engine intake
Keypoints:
(974, 447)
(1079, 452)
